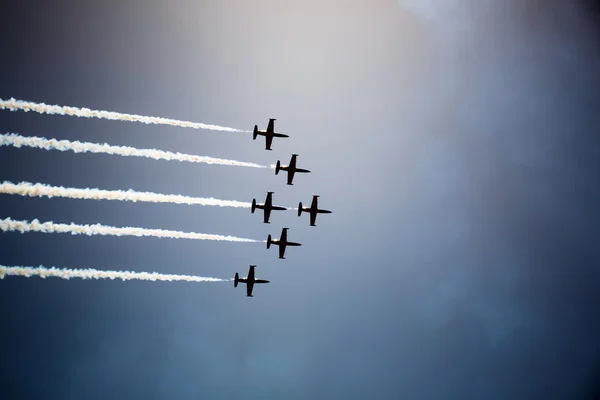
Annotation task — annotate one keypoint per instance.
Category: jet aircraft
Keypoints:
(313, 210)
(249, 281)
(282, 242)
(268, 207)
(291, 169)
(269, 134)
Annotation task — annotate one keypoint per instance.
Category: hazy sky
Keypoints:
(456, 143)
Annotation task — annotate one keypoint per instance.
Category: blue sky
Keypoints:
(454, 142)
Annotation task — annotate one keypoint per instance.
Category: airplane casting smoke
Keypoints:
(313, 210)
(282, 242)
(44, 272)
(14, 105)
(250, 280)
(17, 140)
(269, 134)
(40, 190)
(267, 207)
(291, 169)
(10, 225)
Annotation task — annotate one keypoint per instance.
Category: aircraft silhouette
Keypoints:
(250, 280)
(291, 169)
(269, 134)
(282, 242)
(268, 207)
(313, 210)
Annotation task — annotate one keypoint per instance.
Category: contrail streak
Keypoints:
(11, 225)
(40, 190)
(17, 140)
(44, 272)
(14, 105)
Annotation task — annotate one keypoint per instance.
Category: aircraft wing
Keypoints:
(281, 250)
(313, 217)
(251, 274)
(269, 199)
(249, 287)
(315, 202)
(291, 173)
(271, 126)
(269, 141)
(267, 215)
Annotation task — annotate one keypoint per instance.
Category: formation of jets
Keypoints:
(268, 206)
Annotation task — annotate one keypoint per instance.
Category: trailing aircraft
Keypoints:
(291, 169)
(250, 280)
(282, 242)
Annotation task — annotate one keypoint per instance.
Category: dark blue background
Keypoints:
(457, 144)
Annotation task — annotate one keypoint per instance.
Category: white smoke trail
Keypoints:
(13, 105)
(44, 272)
(11, 225)
(17, 140)
(40, 190)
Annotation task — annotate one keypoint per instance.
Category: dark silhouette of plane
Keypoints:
(249, 281)
(268, 207)
(291, 169)
(269, 134)
(313, 210)
(282, 242)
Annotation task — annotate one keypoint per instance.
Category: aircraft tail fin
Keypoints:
(277, 167)
(253, 205)
(255, 133)
(268, 241)
(236, 279)
(300, 209)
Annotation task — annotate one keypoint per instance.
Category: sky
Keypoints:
(456, 143)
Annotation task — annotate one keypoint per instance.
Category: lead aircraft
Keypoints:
(269, 134)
